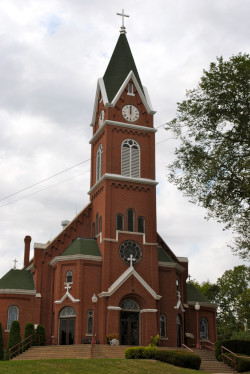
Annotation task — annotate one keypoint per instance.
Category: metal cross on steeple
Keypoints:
(15, 261)
(131, 259)
(123, 28)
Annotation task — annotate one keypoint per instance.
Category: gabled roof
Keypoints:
(82, 246)
(127, 274)
(18, 280)
(120, 65)
(163, 256)
(193, 294)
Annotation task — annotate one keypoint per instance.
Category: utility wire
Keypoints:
(61, 172)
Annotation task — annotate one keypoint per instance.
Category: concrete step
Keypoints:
(210, 364)
(54, 352)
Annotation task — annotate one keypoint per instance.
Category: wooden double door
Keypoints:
(67, 331)
(129, 328)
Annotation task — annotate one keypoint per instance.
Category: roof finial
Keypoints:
(15, 261)
(123, 28)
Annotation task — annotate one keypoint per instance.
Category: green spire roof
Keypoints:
(18, 280)
(120, 65)
(82, 246)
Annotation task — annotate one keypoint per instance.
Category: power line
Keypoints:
(59, 173)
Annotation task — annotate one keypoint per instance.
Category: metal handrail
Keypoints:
(235, 356)
(19, 346)
(205, 346)
(185, 346)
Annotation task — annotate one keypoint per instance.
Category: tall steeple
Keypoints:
(120, 65)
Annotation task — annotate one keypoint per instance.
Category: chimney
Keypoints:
(27, 241)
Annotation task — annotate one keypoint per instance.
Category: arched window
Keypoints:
(130, 159)
(100, 224)
(163, 326)
(90, 322)
(99, 162)
(93, 229)
(67, 312)
(96, 223)
(141, 224)
(130, 220)
(204, 328)
(13, 315)
(129, 304)
(130, 89)
(119, 222)
(69, 276)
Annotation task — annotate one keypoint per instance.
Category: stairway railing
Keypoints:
(18, 348)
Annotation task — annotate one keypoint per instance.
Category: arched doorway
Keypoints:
(179, 328)
(129, 332)
(67, 317)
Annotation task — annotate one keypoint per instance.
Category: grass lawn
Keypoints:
(84, 366)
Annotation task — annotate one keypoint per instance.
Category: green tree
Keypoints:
(1, 342)
(231, 293)
(14, 338)
(29, 331)
(212, 164)
(40, 335)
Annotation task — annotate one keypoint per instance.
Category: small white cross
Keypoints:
(131, 259)
(15, 261)
(67, 288)
(123, 15)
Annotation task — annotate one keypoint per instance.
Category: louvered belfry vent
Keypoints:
(130, 159)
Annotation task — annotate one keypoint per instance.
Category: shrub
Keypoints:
(140, 353)
(154, 341)
(177, 358)
(29, 331)
(243, 364)
(240, 335)
(181, 359)
(40, 335)
(236, 346)
(1, 342)
(14, 338)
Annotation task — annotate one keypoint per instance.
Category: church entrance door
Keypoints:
(67, 331)
(129, 325)
(67, 326)
(130, 328)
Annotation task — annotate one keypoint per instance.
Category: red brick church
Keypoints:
(111, 250)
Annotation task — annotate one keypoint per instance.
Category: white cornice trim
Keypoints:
(148, 310)
(172, 265)
(182, 259)
(143, 97)
(122, 279)
(205, 304)
(118, 177)
(126, 233)
(30, 266)
(74, 257)
(40, 245)
(13, 291)
(114, 308)
(121, 124)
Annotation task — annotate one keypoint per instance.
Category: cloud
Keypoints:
(51, 55)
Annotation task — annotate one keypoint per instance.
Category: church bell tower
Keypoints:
(123, 186)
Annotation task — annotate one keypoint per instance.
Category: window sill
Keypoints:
(130, 94)
(88, 334)
(7, 330)
(163, 338)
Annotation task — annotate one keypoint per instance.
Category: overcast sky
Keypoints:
(51, 55)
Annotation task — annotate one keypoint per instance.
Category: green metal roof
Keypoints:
(18, 280)
(163, 256)
(193, 294)
(82, 246)
(121, 63)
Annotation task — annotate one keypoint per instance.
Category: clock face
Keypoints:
(130, 247)
(101, 118)
(130, 113)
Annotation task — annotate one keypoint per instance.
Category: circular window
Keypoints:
(128, 248)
